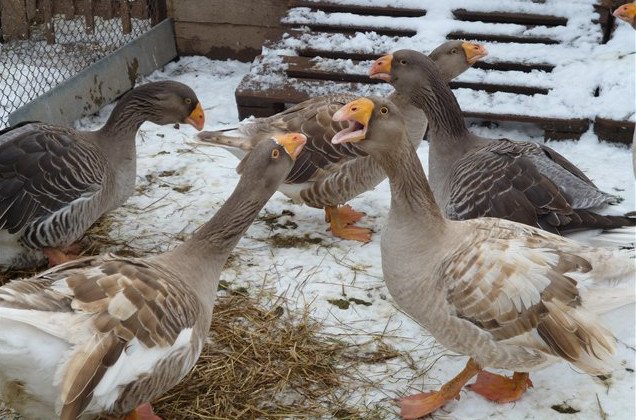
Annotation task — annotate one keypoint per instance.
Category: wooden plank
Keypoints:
(89, 17)
(512, 66)
(158, 11)
(103, 8)
(15, 24)
(248, 95)
(501, 38)
(139, 9)
(349, 29)
(506, 17)
(49, 28)
(571, 125)
(333, 7)
(485, 65)
(124, 12)
(304, 68)
(103, 81)
(31, 10)
(241, 42)
(64, 7)
(614, 131)
(258, 13)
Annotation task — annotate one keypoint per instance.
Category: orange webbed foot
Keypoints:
(341, 220)
(143, 412)
(499, 388)
(56, 256)
(420, 405)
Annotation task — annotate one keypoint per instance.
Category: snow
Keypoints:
(579, 58)
(180, 186)
(325, 268)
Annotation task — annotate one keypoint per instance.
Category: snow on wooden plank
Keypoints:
(507, 17)
(536, 51)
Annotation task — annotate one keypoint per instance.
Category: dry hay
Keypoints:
(263, 361)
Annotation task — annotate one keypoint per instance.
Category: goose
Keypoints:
(507, 295)
(55, 182)
(473, 176)
(327, 176)
(627, 13)
(106, 334)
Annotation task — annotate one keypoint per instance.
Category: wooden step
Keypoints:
(303, 67)
(350, 29)
(332, 7)
(253, 101)
(508, 17)
(614, 131)
(470, 36)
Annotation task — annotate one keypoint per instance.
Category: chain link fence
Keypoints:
(61, 38)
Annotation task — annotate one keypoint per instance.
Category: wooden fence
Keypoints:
(18, 17)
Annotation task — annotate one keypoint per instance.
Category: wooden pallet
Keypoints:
(303, 76)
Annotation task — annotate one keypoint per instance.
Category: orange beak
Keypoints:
(292, 142)
(357, 113)
(381, 68)
(196, 118)
(474, 52)
(626, 12)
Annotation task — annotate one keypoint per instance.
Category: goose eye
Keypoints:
(275, 154)
(402, 61)
(384, 110)
(454, 51)
(188, 101)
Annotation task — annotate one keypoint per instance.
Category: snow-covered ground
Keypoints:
(181, 186)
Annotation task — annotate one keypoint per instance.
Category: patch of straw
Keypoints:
(262, 361)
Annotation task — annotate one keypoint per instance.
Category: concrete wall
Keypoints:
(226, 29)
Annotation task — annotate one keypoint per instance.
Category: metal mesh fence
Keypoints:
(58, 48)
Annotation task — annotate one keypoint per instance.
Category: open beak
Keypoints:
(357, 113)
(292, 142)
(196, 118)
(474, 52)
(381, 68)
(626, 12)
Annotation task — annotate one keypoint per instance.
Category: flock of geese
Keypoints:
(474, 255)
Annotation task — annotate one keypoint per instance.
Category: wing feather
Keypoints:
(42, 170)
(515, 287)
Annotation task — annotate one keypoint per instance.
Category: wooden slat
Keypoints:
(512, 66)
(103, 8)
(276, 96)
(124, 12)
(572, 125)
(501, 38)
(349, 29)
(15, 24)
(49, 28)
(304, 68)
(506, 17)
(484, 65)
(331, 7)
(158, 11)
(139, 9)
(89, 16)
(614, 131)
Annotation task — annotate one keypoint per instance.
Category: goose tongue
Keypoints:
(357, 113)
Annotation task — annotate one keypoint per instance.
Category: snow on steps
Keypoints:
(547, 64)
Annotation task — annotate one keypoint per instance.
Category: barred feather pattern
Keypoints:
(473, 176)
(55, 181)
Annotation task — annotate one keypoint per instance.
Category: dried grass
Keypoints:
(263, 361)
